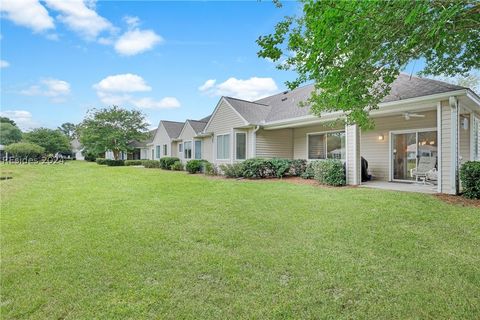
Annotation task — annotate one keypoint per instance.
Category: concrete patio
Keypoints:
(401, 186)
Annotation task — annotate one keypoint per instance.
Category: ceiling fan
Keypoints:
(409, 115)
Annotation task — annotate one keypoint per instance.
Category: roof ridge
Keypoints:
(254, 102)
(172, 121)
(430, 79)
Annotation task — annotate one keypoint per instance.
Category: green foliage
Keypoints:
(258, 168)
(297, 167)
(470, 177)
(194, 166)
(209, 169)
(177, 166)
(69, 129)
(354, 50)
(52, 140)
(101, 161)
(9, 133)
(281, 167)
(114, 163)
(151, 163)
(133, 162)
(7, 120)
(89, 156)
(166, 162)
(25, 150)
(329, 172)
(232, 170)
(112, 129)
(309, 172)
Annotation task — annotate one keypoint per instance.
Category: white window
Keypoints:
(241, 145)
(476, 139)
(157, 152)
(165, 149)
(329, 145)
(223, 147)
(180, 148)
(187, 149)
(198, 149)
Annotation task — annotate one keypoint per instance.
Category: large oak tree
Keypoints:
(354, 50)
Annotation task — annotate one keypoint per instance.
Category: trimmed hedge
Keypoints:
(114, 163)
(194, 166)
(232, 170)
(133, 162)
(101, 161)
(308, 173)
(297, 167)
(176, 166)
(167, 162)
(209, 169)
(330, 172)
(151, 163)
(470, 177)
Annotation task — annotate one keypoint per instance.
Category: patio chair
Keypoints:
(424, 167)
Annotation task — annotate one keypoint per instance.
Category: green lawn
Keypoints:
(83, 241)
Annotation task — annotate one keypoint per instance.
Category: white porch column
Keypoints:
(353, 159)
(454, 154)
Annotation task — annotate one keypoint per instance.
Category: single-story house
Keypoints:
(77, 149)
(421, 121)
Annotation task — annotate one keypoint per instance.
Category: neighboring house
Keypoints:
(192, 144)
(140, 149)
(77, 149)
(419, 118)
(164, 143)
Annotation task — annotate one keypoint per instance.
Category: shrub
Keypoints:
(114, 163)
(298, 167)
(133, 162)
(166, 162)
(209, 169)
(330, 172)
(89, 156)
(101, 161)
(176, 166)
(280, 167)
(232, 170)
(309, 172)
(470, 177)
(25, 150)
(151, 163)
(258, 168)
(194, 166)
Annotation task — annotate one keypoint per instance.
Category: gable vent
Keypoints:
(283, 99)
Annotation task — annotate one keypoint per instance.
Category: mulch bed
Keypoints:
(458, 200)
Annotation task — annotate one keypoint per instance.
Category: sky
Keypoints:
(171, 60)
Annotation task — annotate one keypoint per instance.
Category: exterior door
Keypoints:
(408, 148)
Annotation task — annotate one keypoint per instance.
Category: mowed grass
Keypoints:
(83, 241)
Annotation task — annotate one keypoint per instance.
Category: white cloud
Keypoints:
(250, 89)
(137, 41)
(149, 103)
(120, 89)
(27, 13)
(207, 85)
(23, 119)
(81, 17)
(132, 22)
(127, 82)
(4, 64)
(53, 88)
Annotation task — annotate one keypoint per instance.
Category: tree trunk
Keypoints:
(116, 154)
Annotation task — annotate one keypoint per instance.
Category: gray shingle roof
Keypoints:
(197, 125)
(173, 128)
(285, 105)
(206, 119)
(253, 112)
(143, 144)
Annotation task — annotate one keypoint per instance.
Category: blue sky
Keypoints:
(172, 60)
(54, 61)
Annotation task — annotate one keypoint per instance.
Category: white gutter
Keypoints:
(254, 138)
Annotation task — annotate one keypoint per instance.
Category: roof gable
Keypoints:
(173, 128)
(223, 103)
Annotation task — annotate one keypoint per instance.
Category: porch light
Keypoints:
(380, 137)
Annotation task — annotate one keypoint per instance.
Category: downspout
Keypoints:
(255, 141)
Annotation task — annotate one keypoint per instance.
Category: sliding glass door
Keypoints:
(407, 150)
